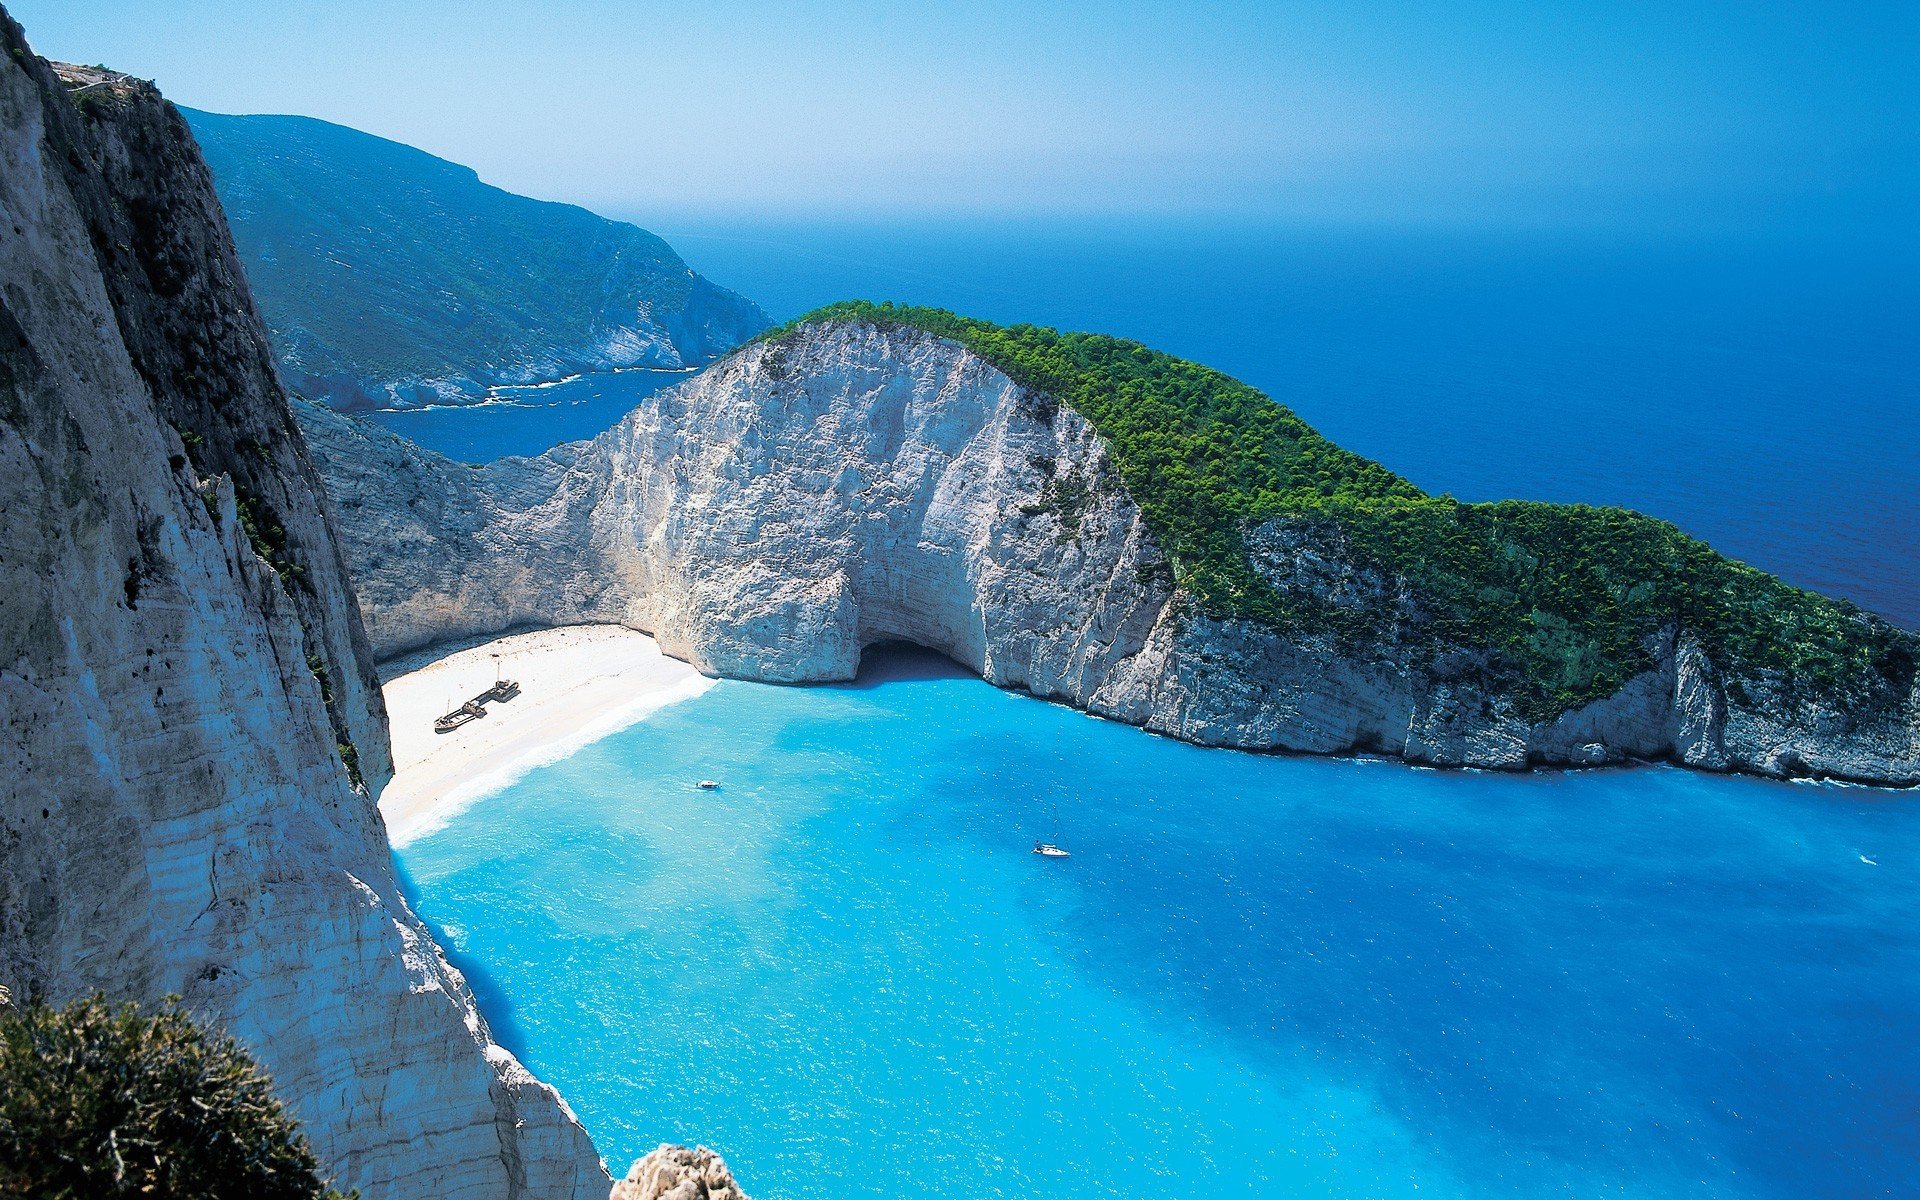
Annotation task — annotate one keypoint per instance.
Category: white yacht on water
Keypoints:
(1051, 849)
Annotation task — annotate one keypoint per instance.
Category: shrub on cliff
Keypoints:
(98, 1101)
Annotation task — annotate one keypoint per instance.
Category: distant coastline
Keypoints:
(500, 394)
(528, 419)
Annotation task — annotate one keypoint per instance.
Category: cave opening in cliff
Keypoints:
(889, 660)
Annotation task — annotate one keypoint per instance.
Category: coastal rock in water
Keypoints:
(677, 1173)
(190, 723)
(852, 483)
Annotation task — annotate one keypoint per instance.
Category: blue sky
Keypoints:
(1686, 114)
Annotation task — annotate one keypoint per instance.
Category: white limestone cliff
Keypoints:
(848, 485)
(190, 727)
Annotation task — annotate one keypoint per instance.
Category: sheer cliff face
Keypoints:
(189, 721)
(848, 485)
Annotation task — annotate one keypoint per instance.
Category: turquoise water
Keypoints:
(1256, 976)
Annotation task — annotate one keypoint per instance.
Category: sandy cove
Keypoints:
(577, 683)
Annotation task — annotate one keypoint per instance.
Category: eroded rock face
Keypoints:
(190, 726)
(804, 499)
(677, 1173)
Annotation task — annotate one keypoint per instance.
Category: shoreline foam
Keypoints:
(578, 683)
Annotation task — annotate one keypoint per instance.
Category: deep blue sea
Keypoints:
(1255, 977)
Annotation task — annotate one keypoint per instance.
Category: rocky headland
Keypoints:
(867, 476)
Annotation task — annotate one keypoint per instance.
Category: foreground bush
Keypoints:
(104, 1101)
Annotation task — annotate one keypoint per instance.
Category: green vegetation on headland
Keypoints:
(1563, 597)
(100, 1101)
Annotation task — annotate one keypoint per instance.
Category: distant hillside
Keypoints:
(391, 278)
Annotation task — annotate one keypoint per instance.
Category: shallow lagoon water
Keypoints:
(1257, 975)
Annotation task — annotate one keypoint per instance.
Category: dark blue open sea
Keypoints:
(1262, 976)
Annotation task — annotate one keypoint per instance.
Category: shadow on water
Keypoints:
(903, 662)
(492, 999)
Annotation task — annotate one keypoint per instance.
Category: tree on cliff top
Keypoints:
(105, 1101)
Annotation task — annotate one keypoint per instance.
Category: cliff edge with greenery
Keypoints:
(1562, 599)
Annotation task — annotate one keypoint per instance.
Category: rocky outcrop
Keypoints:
(190, 725)
(390, 278)
(677, 1173)
(848, 484)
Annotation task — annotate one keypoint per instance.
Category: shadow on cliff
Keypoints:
(491, 999)
(901, 662)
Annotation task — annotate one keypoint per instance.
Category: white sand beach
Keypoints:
(577, 683)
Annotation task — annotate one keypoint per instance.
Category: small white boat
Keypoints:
(1870, 862)
(707, 785)
(1049, 850)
